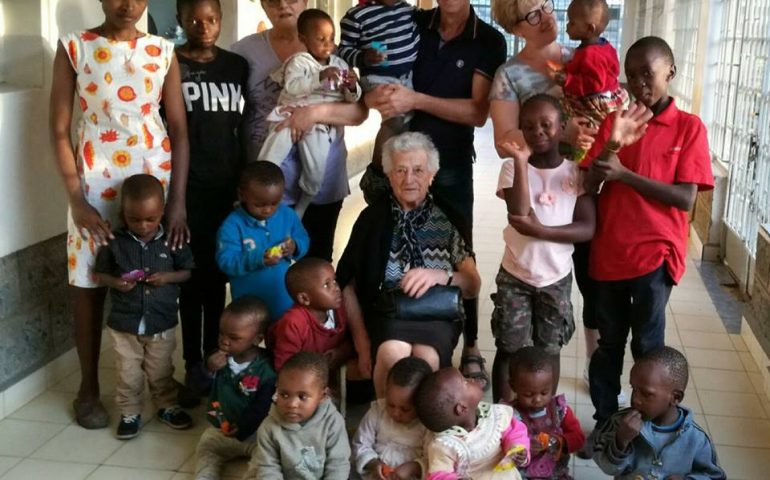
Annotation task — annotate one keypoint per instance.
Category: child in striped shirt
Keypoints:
(380, 37)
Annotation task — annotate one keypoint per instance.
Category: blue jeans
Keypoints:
(637, 305)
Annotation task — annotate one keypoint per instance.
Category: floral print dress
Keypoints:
(120, 133)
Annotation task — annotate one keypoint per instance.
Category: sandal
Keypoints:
(481, 375)
(90, 415)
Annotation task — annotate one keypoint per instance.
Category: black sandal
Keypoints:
(481, 375)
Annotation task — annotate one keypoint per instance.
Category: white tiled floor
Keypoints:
(40, 439)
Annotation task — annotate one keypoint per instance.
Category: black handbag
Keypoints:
(440, 302)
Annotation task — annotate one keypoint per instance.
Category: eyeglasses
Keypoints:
(536, 16)
(277, 3)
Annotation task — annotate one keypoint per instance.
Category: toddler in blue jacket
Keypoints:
(257, 242)
(657, 437)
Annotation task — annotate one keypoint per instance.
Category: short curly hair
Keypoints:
(310, 362)
(408, 372)
(434, 401)
(674, 363)
(507, 13)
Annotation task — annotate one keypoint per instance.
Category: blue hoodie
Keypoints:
(688, 453)
(241, 244)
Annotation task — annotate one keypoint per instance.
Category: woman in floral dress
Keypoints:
(121, 76)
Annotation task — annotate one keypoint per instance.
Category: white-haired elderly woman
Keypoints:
(407, 242)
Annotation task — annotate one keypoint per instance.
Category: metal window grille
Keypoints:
(686, 51)
(740, 131)
(613, 33)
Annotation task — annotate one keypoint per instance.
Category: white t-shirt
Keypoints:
(553, 194)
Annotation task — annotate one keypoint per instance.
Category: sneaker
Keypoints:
(622, 397)
(129, 426)
(175, 417)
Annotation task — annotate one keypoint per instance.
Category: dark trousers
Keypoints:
(586, 284)
(637, 305)
(202, 298)
(201, 302)
(320, 221)
(452, 189)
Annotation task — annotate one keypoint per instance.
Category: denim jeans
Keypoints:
(637, 305)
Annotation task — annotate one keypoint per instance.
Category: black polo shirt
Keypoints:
(156, 305)
(445, 70)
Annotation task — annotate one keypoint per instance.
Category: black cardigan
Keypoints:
(367, 251)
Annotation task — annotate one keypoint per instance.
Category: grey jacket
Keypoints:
(689, 453)
(317, 449)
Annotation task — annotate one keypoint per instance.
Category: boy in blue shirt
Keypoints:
(657, 437)
(257, 242)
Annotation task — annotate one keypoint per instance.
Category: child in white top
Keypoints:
(315, 76)
(548, 212)
(390, 438)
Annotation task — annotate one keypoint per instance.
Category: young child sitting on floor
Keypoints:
(389, 440)
(657, 437)
(242, 390)
(257, 242)
(554, 431)
(316, 322)
(315, 76)
(590, 79)
(304, 435)
(474, 439)
(143, 274)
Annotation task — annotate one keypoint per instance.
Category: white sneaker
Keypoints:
(622, 399)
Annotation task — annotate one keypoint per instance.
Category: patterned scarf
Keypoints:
(407, 224)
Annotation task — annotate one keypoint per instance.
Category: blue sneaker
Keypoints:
(175, 417)
(129, 426)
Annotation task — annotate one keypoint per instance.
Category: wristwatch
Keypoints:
(450, 275)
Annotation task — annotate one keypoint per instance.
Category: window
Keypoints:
(613, 33)
(738, 132)
(685, 48)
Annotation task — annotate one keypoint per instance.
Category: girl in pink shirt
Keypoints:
(548, 211)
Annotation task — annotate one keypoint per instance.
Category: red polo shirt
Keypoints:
(634, 234)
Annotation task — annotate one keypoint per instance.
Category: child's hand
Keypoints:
(288, 247)
(350, 80)
(122, 285)
(515, 457)
(528, 225)
(514, 150)
(374, 467)
(230, 432)
(330, 73)
(630, 125)
(216, 361)
(556, 72)
(373, 57)
(628, 429)
(609, 169)
(406, 471)
(270, 258)
(158, 279)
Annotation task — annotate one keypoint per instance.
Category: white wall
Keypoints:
(34, 203)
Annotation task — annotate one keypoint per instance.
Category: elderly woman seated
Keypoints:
(404, 242)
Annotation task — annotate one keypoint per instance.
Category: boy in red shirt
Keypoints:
(317, 321)
(653, 159)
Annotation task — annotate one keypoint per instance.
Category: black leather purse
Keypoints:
(440, 302)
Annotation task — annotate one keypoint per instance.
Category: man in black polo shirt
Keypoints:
(458, 57)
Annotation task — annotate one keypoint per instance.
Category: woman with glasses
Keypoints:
(265, 52)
